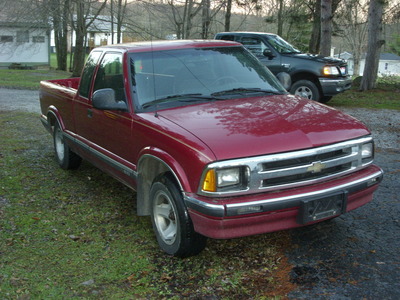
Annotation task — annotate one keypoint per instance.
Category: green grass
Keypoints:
(28, 79)
(385, 96)
(75, 234)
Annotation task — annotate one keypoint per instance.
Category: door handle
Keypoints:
(89, 113)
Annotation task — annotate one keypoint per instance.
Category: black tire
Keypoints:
(306, 89)
(66, 159)
(171, 221)
(325, 99)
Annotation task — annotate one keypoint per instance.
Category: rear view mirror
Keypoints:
(104, 99)
(268, 53)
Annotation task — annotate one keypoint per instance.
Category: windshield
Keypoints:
(281, 45)
(187, 76)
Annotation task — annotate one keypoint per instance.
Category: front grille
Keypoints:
(307, 166)
(291, 179)
(298, 168)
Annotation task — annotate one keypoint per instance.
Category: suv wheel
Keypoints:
(306, 89)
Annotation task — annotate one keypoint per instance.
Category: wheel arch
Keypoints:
(307, 76)
(150, 166)
(52, 117)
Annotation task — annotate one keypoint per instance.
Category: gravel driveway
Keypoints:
(355, 256)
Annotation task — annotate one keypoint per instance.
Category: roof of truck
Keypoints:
(169, 45)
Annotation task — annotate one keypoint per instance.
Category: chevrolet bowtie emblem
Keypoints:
(316, 167)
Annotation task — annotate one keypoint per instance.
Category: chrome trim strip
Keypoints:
(294, 200)
(258, 175)
(213, 210)
(108, 160)
(220, 210)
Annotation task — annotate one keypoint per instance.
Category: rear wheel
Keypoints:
(64, 155)
(171, 221)
(306, 89)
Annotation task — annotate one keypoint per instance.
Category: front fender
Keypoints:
(152, 163)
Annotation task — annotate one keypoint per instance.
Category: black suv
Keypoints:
(311, 76)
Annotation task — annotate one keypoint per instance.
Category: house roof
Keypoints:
(389, 56)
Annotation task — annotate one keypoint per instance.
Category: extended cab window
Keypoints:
(255, 45)
(87, 73)
(110, 75)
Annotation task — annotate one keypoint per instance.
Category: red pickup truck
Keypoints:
(209, 139)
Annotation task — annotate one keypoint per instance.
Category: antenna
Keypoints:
(152, 60)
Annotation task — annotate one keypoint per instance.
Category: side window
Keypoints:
(87, 73)
(227, 38)
(110, 75)
(255, 45)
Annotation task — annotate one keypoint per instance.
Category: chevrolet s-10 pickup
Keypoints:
(212, 143)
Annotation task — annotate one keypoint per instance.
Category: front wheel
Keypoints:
(171, 221)
(64, 155)
(306, 89)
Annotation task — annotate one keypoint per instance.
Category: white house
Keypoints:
(99, 33)
(21, 43)
(389, 63)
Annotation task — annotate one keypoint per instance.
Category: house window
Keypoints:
(6, 39)
(38, 39)
(386, 66)
(23, 36)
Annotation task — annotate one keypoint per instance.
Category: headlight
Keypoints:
(330, 70)
(367, 152)
(228, 179)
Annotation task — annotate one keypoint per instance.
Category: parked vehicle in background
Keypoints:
(310, 76)
(212, 143)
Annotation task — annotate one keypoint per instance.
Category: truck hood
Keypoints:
(263, 125)
(319, 58)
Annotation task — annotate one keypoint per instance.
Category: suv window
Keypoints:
(87, 73)
(255, 45)
(227, 38)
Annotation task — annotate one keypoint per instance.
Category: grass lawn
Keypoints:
(386, 95)
(75, 234)
(30, 79)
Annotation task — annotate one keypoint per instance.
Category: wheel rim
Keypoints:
(165, 217)
(59, 144)
(304, 92)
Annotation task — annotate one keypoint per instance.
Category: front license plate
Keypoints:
(317, 209)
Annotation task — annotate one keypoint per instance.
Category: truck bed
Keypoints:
(72, 83)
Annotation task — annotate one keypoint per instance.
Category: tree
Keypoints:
(84, 18)
(228, 14)
(183, 16)
(352, 21)
(375, 42)
(119, 16)
(59, 12)
(326, 27)
(313, 46)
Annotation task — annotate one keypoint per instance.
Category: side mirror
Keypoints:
(267, 53)
(104, 99)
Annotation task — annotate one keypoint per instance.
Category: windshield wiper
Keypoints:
(246, 90)
(178, 97)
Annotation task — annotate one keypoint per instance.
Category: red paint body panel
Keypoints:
(257, 126)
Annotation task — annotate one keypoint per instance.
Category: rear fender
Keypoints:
(51, 118)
